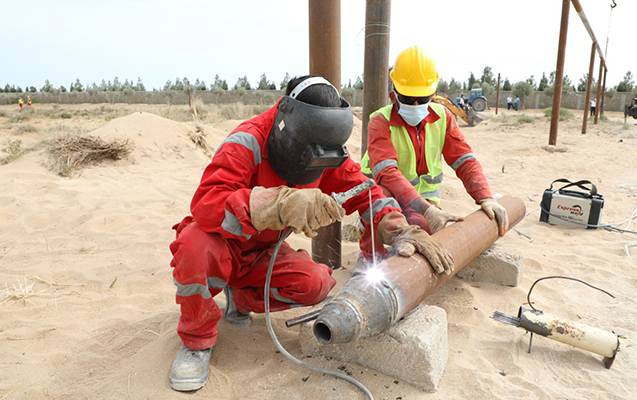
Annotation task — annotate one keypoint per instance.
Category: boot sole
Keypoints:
(246, 321)
(187, 385)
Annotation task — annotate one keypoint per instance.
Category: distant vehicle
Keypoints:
(631, 110)
(466, 113)
(476, 100)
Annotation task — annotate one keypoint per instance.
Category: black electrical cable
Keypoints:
(528, 295)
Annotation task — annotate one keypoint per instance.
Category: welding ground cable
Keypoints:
(528, 294)
(275, 340)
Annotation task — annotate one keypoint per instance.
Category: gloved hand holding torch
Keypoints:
(303, 210)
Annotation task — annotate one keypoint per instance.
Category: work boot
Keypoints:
(231, 314)
(189, 371)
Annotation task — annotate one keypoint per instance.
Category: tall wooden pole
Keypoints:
(325, 60)
(599, 92)
(559, 73)
(497, 95)
(591, 67)
(601, 107)
(375, 77)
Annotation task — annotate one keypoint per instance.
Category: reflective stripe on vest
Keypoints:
(428, 185)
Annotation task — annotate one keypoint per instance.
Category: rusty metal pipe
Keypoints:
(559, 73)
(589, 82)
(370, 303)
(601, 106)
(375, 76)
(325, 60)
(599, 93)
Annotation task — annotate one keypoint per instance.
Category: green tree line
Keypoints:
(487, 82)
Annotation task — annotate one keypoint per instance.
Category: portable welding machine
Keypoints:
(576, 204)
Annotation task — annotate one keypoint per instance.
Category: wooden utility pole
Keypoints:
(559, 73)
(325, 60)
(497, 95)
(591, 67)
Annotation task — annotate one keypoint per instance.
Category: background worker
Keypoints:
(273, 172)
(516, 103)
(20, 103)
(407, 141)
(593, 106)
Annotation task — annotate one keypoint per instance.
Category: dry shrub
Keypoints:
(13, 149)
(565, 113)
(198, 137)
(25, 128)
(524, 119)
(197, 108)
(69, 153)
(19, 291)
(21, 116)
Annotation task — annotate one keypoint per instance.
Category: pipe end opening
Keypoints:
(322, 332)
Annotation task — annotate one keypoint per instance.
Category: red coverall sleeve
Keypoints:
(459, 156)
(384, 164)
(221, 203)
(348, 176)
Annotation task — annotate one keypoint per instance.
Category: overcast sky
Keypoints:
(159, 40)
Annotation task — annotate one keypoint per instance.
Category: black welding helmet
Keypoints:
(306, 138)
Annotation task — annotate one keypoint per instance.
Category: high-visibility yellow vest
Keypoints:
(428, 185)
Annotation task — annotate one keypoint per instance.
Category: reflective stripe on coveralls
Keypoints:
(378, 205)
(231, 224)
(275, 293)
(191, 289)
(427, 185)
(382, 165)
(462, 159)
(248, 141)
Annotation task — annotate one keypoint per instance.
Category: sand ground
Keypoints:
(87, 302)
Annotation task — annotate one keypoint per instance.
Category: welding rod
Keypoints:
(302, 318)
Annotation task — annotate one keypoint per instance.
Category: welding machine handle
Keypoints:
(579, 184)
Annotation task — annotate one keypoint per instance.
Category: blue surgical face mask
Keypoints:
(413, 115)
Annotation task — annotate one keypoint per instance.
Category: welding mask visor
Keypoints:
(306, 139)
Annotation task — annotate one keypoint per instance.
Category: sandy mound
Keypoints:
(155, 138)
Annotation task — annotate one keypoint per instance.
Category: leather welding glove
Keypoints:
(436, 218)
(303, 210)
(494, 210)
(407, 239)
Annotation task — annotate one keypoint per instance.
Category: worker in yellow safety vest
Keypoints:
(407, 141)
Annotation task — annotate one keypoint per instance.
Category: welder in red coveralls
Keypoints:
(407, 141)
(274, 171)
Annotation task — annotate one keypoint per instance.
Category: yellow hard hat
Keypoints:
(414, 73)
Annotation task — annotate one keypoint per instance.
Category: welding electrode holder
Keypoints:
(576, 334)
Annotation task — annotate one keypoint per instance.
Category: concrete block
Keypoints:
(493, 266)
(414, 350)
